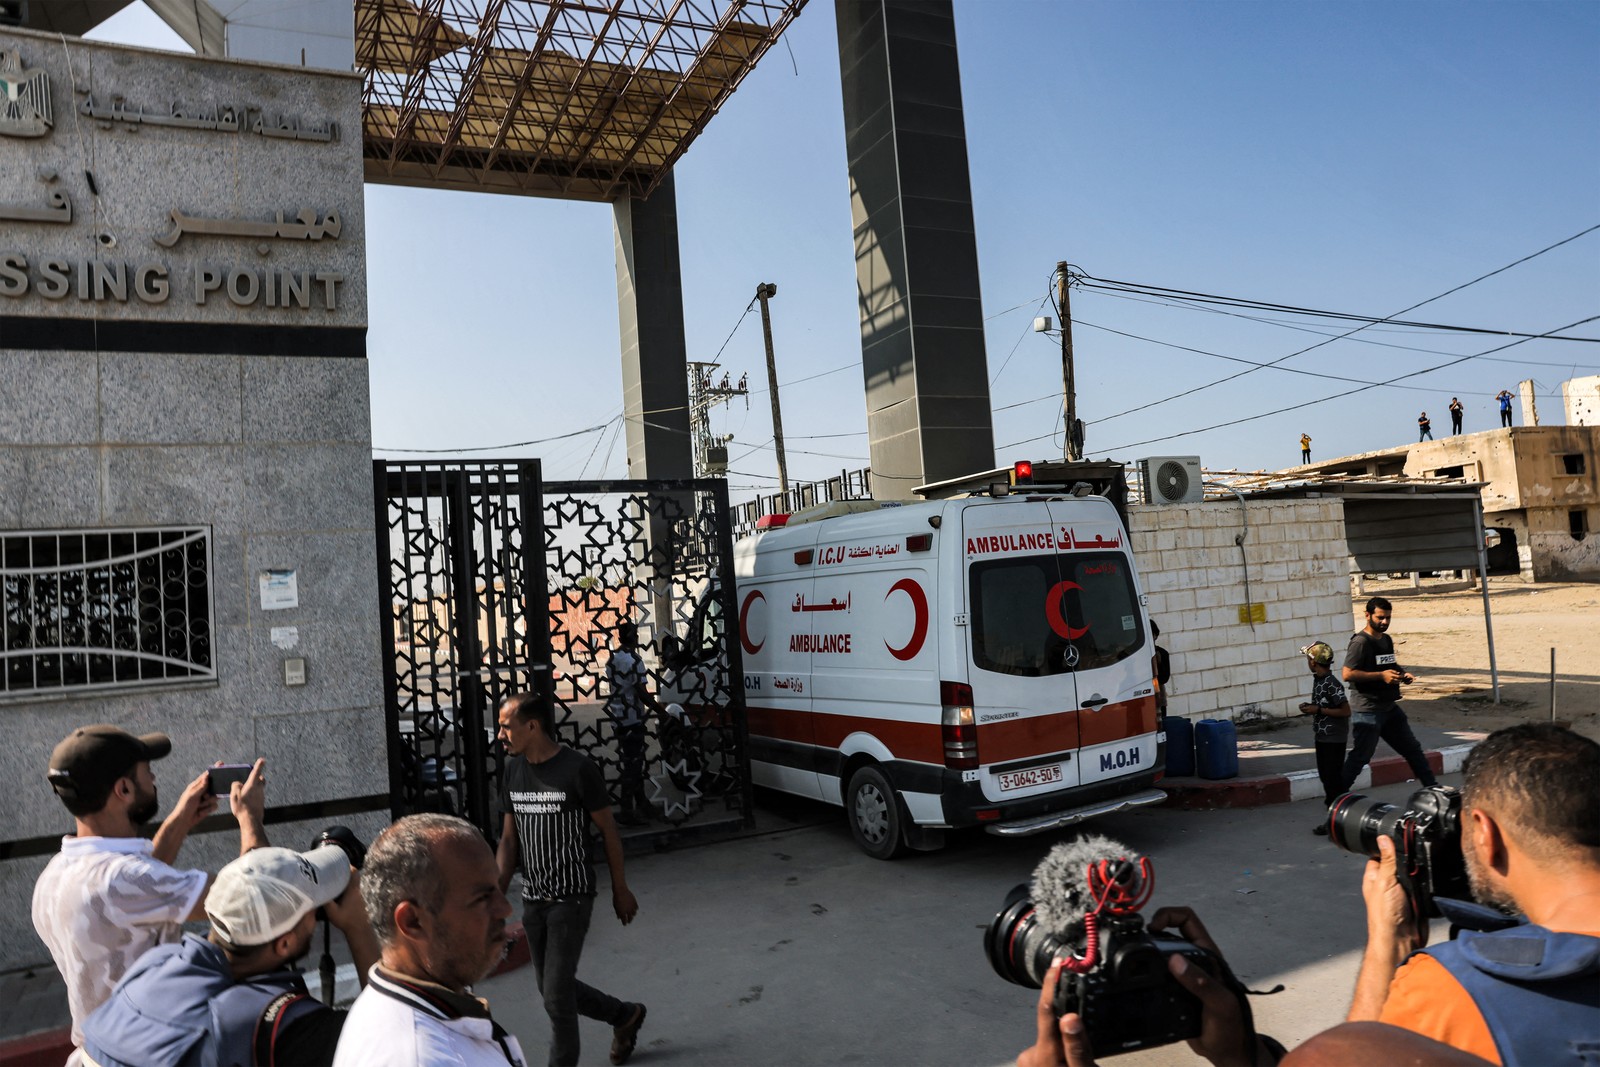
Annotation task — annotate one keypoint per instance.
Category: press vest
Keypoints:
(1538, 991)
(179, 1006)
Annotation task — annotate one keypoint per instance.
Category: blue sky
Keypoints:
(1355, 157)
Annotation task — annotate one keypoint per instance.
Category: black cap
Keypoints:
(92, 758)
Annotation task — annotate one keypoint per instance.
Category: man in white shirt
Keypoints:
(110, 895)
(433, 894)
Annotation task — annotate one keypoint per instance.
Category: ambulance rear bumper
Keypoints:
(1039, 824)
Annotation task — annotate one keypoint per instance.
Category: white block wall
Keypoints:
(1194, 576)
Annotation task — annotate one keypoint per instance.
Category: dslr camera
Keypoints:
(1426, 831)
(1116, 978)
(341, 837)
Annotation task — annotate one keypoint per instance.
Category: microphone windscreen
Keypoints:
(1061, 895)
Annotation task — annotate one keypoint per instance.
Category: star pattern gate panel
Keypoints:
(473, 614)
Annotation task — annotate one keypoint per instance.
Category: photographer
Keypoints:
(1226, 1037)
(237, 997)
(1531, 843)
(110, 894)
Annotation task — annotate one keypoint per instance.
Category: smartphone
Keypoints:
(224, 775)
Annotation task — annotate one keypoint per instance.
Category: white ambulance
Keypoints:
(950, 663)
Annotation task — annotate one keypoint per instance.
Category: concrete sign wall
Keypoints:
(182, 356)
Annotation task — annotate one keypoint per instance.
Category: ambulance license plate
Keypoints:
(1031, 777)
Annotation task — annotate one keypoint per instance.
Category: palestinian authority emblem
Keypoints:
(24, 99)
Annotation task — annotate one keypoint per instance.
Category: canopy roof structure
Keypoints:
(577, 99)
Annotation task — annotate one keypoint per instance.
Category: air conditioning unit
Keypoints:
(1171, 480)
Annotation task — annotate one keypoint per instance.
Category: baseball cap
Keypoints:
(265, 893)
(92, 758)
(1320, 653)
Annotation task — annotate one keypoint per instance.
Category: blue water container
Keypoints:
(1216, 749)
(1180, 746)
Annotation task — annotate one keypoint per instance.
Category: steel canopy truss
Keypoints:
(580, 100)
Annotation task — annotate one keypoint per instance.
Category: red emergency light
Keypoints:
(1022, 473)
(772, 522)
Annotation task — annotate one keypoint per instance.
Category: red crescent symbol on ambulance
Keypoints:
(744, 622)
(919, 629)
(1052, 612)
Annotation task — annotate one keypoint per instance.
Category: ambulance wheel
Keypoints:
(875, 816)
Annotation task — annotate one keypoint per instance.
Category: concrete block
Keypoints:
(1180, 600)
(1191, 538)
(1268, 535)
(309, 487)
(1165, 540)
(306, 766)
(1210, 597)
(342, 662)
(1229, 655)
(169, 399)
(49, 488)
(176, 485)
(302, 400)
(335, 574)
(1195, 662)
(1291, 689)
(48, 398)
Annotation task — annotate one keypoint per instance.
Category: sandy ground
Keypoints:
(1441, 638)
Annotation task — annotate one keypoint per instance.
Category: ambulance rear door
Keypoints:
(1100, 615)
(1022, 684)
(775, 574)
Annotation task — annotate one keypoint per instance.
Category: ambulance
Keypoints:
(983, 661)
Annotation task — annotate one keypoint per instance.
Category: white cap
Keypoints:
(265, 893)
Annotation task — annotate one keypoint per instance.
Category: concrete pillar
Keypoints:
(655, 382)
(922, 347)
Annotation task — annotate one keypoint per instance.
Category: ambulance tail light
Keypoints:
(958, 726)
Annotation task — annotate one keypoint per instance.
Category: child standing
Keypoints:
(1330, 723)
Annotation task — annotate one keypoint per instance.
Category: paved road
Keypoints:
(791, 947)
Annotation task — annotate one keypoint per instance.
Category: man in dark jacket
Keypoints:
(236, 997)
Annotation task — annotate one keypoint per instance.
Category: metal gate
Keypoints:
(494, 583)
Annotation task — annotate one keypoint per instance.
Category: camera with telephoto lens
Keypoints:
(1116, 977)
(1426, 831)
(341, 837)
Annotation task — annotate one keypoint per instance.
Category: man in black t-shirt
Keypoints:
(1371, 670)
(551, 794)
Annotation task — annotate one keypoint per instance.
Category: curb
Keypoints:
(1199, 794)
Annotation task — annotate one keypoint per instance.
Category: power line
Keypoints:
(1365, 325)
(1350, 392)
(494, 448)
(1300, 328)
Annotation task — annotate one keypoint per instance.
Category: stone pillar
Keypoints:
(916, 247)
(655, 382)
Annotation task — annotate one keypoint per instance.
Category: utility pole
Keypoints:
(764, 292)
(1074, 433)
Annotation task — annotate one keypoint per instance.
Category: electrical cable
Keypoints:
(1300, 328)
(1358, 329)
(1350, 392)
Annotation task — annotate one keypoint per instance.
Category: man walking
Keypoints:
(551, 796)
(237, 996)
(434, 899)
(1305, 448)
(1424, 428)
(110, 895)
(1371, 669)
(1505, 397)
(629, 698)
(1455, 415)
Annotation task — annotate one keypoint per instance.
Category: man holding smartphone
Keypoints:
(110, 894)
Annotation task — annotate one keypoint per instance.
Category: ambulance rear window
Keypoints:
(1051, 614)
